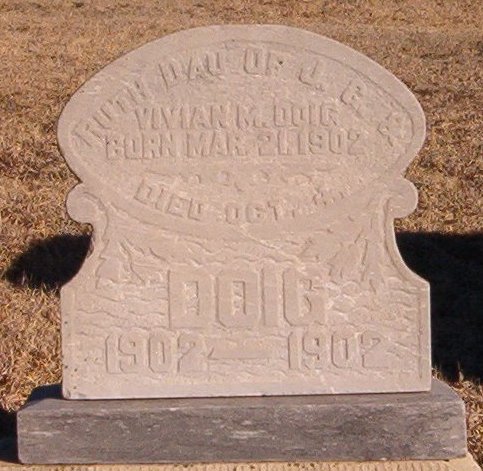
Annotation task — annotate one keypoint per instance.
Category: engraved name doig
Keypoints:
(234, 130)
(244, 299)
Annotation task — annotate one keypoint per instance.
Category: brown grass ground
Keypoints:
(48, 48)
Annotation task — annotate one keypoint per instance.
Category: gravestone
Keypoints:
(242, 183)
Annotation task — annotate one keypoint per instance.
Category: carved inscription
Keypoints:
(234, 130)
(163, 352)
(240, 297)
(160, 352)
(244, 300)
(242, 184)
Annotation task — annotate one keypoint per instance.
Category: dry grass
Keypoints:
(48, 48)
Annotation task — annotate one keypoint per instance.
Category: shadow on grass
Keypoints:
(8, 423)
(453, 264)
(49, 263)
(8, 432)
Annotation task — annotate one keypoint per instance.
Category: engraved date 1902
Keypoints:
(162, 352)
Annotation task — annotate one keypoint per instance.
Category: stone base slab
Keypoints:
(426, 425)
(458, 464)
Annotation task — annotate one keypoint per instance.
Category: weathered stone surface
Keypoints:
(242, 182)
(428, 425)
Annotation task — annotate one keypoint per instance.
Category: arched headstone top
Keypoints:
(242, 182)
(226, 112)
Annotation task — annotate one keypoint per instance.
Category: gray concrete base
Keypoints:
(417, 426)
